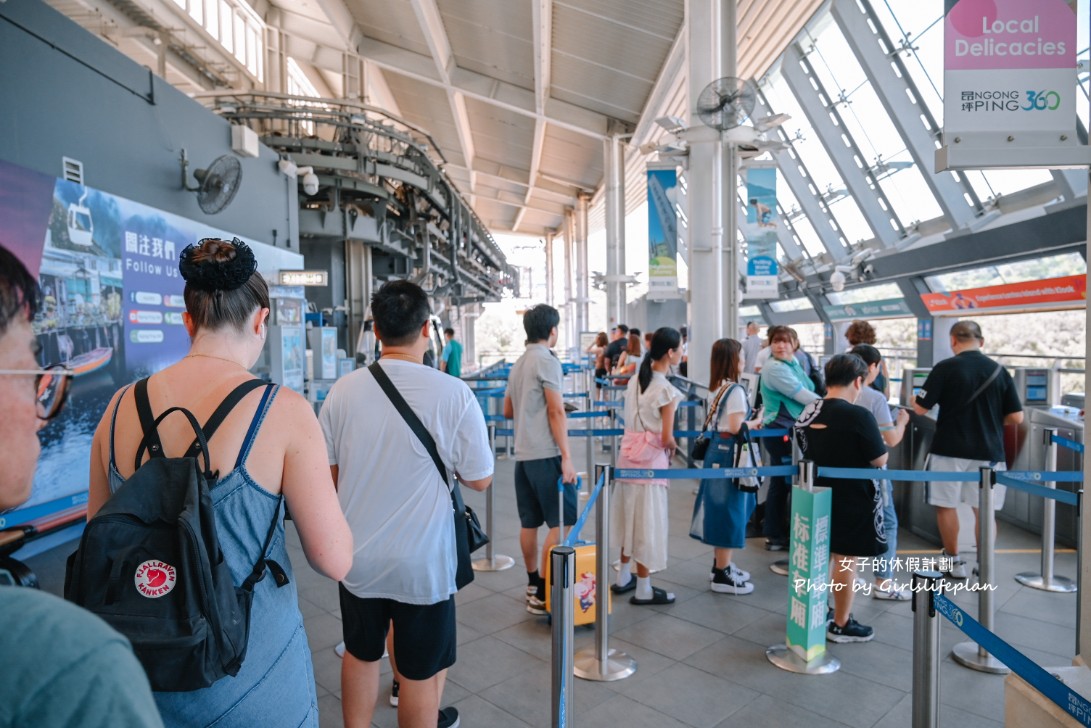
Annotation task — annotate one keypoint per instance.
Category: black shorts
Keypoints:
(424, 634)
(536, 493)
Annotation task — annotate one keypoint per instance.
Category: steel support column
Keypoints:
(712, 189)
(615, 229)
(549, 268)
(582, 271)
(567, 317)
(821, 111)
(903, 105)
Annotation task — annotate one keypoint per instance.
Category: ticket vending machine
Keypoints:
(286, 347)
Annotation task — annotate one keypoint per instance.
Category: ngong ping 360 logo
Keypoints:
(155, 578)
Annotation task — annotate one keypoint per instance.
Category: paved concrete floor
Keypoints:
(701, 661)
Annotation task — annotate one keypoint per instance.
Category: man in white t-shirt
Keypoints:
(750, 347)
(400, 510)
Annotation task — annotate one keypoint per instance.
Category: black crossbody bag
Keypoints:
(469, 536)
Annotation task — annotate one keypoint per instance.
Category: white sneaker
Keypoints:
(958, 568)
(891, 593)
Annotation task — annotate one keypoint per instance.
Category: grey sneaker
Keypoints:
(536, 605)
(853, 631)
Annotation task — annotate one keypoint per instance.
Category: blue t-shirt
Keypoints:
(66, 667)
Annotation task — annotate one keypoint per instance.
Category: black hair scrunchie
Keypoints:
(222, 276)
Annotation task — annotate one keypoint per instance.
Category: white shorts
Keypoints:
(948, 494)
(638, 522)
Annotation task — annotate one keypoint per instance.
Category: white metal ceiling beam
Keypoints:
(672, 76)
(485, 89)
(542, 13)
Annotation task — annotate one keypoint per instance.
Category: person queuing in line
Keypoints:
(65, 666)
(629, 360)
(450, 360)
(892, 431)
(683, 366)
(721, 511)
(535, 402)
(639, 508)
(785, 390)
(646, 347)
(751, 346)
(834, 433)
(403, 571)
(976, 398)
(619, 342)
(269, 445)
(861, 332)
(597, 352)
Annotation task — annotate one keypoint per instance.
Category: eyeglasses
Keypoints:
(50, 387)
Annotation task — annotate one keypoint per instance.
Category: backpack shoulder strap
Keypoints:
(150, 441)
(229, 403)
(113, 425)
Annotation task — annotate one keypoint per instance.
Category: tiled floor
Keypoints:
(701, 662)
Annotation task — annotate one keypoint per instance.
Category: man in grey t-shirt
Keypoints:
(751, 346)
(535, 402)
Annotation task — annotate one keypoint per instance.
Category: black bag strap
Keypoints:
(412, 420)
(154, 426)
(258, 572)
(742, 440)
(984, 385)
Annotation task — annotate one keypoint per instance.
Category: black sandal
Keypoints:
(659, 596)
(624, 589)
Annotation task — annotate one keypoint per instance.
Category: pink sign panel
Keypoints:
(1010, 34)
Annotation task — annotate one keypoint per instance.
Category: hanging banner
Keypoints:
(760, 232)
(111, 306)
(662, 234)
(1009, 69)
(1068, 289)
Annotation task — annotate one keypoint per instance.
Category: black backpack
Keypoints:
(149, 563)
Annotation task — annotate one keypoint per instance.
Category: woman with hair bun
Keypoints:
(269, 447)
(639, 507)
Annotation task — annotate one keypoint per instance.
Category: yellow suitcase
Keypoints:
(584, 594)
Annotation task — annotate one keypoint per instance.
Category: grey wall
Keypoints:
(64, 92)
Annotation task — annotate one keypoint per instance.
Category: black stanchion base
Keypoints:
(780, 566)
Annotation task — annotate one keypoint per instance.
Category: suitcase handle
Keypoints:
(560, 501)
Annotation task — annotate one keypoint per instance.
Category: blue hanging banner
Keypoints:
(662, 233)
(760, 232)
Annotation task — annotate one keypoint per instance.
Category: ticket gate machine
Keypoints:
(1038, 389)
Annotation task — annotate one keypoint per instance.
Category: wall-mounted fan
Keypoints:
(726, 102)
(217, 184)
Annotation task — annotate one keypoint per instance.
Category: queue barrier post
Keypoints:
(492, 561)
(925, 649)
(1046, 580)
(562, 581)
(600, 663)
(970, 654)
(780, 566)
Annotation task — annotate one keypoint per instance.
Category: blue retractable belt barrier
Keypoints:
(496, 418)
(588, 415)
(691, 403)
(574, 394)
(596, 433)
(574, 534)
(611, 402)
(922, 475)
(487, 391)
(1065, 442)
(1069, 700)
(1062, 496)
(768, 432)
(505, 432)
(702, 473)
(1055, 476)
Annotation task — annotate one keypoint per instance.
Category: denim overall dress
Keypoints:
(275, 686)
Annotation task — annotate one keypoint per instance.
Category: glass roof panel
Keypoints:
(791, 304)
(881, 292)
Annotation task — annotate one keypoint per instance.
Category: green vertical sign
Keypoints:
(808, 572)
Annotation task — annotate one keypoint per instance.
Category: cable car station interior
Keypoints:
(703, 164)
